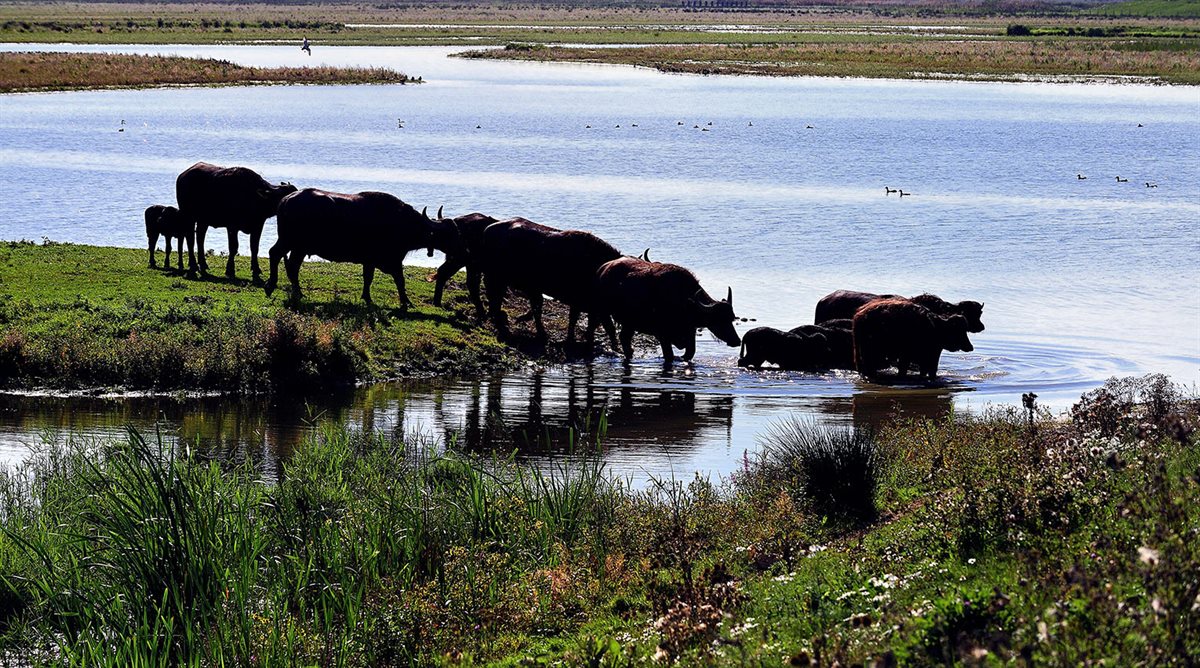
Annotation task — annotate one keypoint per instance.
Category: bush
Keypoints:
(1018, 30)
(835, 469)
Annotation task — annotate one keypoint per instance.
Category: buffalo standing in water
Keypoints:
(166, 222)
(373, 229)
(540, 260)
(900, 332)
(665, 301)
(470, 234)
(236, 198)
(845, 303)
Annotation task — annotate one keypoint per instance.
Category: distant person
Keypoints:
(305, 47)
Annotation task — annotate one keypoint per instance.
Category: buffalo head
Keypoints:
(272, 195)
(718, 317)
(443, 234)
(973, 312)
(952, 330)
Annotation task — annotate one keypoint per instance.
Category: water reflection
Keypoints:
(653, 423)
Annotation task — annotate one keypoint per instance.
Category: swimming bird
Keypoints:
(751, 124)
(889, 191)
(1140, 125)
(808, 127)
(1121, 180)
(710, 122)
(587, 127)
(478, 127)
(695, 126)
(1151, 185)
(704, 129)
(904, 194)
(634, 125)
(1080, 177)
(678, 122)
(618, 125)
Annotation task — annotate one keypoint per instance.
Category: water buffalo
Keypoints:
(165, 221)
(663, 300)
(235, 198)
(790, 350)
(373, 229)
(540, 260)
(844, 303)
(470, 233)
(900, 332)
(840, 339)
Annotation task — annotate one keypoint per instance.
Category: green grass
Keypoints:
(83, 316)
(1153, 8)
(999, 539)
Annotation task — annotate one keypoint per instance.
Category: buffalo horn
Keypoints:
(729, 297)
(439, 213)
(646, 255)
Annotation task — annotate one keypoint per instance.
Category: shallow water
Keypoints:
(1082, 279)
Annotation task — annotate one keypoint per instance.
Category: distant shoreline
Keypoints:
(22, 72)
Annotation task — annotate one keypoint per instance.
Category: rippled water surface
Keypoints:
(781, 197)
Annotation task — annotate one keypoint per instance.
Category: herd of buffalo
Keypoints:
(852, 330)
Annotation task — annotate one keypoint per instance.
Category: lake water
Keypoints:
(781, 197)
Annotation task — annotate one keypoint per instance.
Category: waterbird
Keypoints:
(704, 129)
(678, 122)
(1121, 180)
(904, 194)
(1080, 177)
(751, 124)
(634, 125)
(710, 122)
(889, 191)
(695, 126)
(1140, 125)
(478, 127)
(808, 127)
(1151, 185)
(587, 127)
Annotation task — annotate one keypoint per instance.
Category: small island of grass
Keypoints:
(22, 71)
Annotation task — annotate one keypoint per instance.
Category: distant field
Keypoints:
(60, 71)
(1156, 8)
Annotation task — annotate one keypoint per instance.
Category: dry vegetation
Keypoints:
(59, 71)
(986, 59)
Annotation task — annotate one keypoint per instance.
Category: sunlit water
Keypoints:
(781, 197)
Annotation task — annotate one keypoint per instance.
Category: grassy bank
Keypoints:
(83, 316)
(21, 72)
(972, 540)
(1163, 59)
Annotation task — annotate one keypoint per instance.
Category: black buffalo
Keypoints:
(235, 198)
(540, 260)
(470, 234)
(790, 350)
(663, 300)
(840, 339)
(373, 229)
(899, 332)
(845, 303)
(166, 222)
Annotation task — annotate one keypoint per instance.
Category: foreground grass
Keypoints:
(1168, 60)
(994, 539)
(76, 316)
(61, 71)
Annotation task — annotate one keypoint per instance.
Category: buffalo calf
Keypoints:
(838, 335)
(789, 350)
(165, 221)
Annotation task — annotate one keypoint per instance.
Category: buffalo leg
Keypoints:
(179, 253)
(293, 262)
(276, 254)
(233, 249)
(535, 307)
(153, 236)
(191, 246)
(667, 351)
(398, 277)
(572, 320)
(689, 351)
(201, 230)
(368, 276)
(448, 269)
(627, 342)
(255, 272)
(495, 294)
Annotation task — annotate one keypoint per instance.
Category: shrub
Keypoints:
(835, 469)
